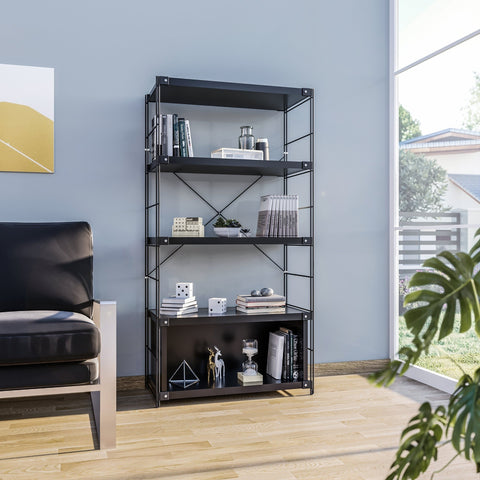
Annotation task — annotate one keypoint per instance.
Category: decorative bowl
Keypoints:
(226, 231)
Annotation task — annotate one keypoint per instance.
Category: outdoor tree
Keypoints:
(472, 110)
(422, 183)
(408, 126)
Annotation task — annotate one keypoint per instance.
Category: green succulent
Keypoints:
(229, 223)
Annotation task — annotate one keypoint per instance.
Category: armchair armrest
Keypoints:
(105, 401)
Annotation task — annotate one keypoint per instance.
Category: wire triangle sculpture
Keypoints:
(184, 376)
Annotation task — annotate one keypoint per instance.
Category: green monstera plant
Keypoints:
(449, 288)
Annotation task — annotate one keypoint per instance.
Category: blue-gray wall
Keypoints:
(106, 55)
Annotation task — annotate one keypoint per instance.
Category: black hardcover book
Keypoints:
(182, 137)
(297, 360)
(176, 137)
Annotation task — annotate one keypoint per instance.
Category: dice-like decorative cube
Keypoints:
(184, 290)
(217, 306)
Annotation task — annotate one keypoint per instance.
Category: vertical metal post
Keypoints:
(157, 250)
(285, 190)
(312, 234)
(146, 299)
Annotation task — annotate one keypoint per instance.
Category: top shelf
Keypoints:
(226, 94)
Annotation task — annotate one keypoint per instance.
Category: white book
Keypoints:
(264, 215)
(174, 299)
(178, 310)
(179, 313)
(176, 307)
(271, 298)
(276, 345)
(290, 230)
(260, 304)
(295, 216)
(273, 230)
(188, 134)
(280, 216)
(260, 310)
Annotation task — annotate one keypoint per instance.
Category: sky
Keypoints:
(437, 91)
(32, 86)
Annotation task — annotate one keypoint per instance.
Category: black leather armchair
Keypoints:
(54, 338)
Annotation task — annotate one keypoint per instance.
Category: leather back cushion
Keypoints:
(46, 266)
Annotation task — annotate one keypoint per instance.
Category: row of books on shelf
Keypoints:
(278, 216)
(285, 359)
(175, 136)
(260, 305)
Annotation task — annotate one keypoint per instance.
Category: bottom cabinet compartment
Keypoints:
(190, 343)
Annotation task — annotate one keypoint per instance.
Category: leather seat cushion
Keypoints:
(46, 336)
(48, 375)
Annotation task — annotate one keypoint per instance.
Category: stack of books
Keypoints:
(261, 305)
(175, 136)
(284, 360)
(278, 216)
(177, 307)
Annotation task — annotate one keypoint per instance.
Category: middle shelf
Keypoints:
(231, 316)
(229, 166)
(158, 241)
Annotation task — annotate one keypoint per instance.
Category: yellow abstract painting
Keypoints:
(26, 131)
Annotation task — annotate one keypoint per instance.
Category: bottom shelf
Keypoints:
(229, 386)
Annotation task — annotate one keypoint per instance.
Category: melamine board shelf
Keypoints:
(157, 241)
(232, 316)
(228, 166)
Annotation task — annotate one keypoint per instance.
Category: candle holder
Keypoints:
(249, 374)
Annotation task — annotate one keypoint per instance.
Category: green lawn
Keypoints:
(462, 348)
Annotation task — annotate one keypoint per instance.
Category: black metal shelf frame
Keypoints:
(196, 92)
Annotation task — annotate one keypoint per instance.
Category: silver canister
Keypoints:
(262, 144)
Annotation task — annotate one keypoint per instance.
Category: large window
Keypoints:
(435, 107)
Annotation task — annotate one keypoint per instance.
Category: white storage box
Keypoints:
(237, 153)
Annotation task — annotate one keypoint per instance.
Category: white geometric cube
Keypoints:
(217, 306)
(184, 290)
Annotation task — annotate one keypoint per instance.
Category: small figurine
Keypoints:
(219, 364)
(211, 373)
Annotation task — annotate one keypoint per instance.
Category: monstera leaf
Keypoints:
(419, 443)
(464, 417)
(448, 287)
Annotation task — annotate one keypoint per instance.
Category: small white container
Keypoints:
(237, 153)
(226, 232)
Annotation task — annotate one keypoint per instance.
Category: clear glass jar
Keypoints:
(246, 140)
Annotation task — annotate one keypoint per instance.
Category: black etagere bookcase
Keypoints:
(170, 340)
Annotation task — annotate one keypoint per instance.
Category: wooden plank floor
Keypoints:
(348, 430)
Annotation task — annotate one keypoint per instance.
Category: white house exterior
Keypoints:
(458, 152)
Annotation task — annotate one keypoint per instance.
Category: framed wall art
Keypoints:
(26, 119)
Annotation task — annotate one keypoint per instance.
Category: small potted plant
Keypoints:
(227, 228)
